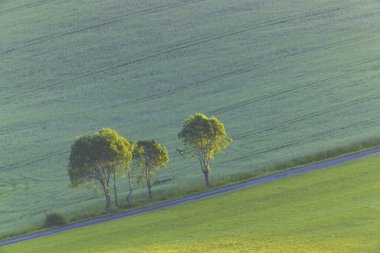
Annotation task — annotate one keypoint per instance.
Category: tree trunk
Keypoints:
(108, 198)
(130, 188)
(149, 188)
(115, 190)
(108, 202)
(205, 168)
(206, 178)
(106, 193)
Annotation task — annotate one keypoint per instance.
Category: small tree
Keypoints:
(130, 186)
(202, 138)
(97, 158)
(130, 170)
(117, 154)
(150, 156)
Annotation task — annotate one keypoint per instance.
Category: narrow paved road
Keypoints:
(204, 195)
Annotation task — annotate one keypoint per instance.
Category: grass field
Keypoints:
(331, 210)
(288, 78)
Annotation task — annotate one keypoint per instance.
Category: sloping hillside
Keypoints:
(287, 78)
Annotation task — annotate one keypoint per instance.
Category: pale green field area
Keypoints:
(332, 210)
(288, 78)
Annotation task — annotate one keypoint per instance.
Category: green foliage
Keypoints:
(97, 158)
(115, 150)
(83, 158)
(54, 219)
(203, 137)
(102, 151)
(203, 134)
(150, 156)
(335, 210)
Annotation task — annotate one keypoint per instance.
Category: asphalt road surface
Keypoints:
(209, 194)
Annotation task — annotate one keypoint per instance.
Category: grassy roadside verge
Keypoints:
(191, 189)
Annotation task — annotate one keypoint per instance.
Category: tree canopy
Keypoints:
(202, 138)
(150, 156)
(97, 157)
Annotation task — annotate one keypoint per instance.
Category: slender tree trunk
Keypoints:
(115, 190)
(130, 188)
(148, 184)
(205, 168)
(149, 188)
(107, 196)
(106, 192)
(207, 182)
(108, 200)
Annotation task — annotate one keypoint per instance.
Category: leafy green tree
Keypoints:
(119, 152)
(202, 138)
(97, 158)
(150, 156)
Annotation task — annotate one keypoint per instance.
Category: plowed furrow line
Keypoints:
(251, 101)
(252, 133)
(54, 36)
(25, 6)
(261, 151)
(33, 162)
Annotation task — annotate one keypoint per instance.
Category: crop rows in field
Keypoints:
(169, 49)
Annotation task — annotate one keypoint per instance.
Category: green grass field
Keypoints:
(331, 210)
(288, 78)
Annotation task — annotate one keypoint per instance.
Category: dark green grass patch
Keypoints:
(54, 219)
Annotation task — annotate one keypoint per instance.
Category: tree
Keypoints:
(150, 156)
(202, 138)
(97, 158)
(130, 170)
(130, 186)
